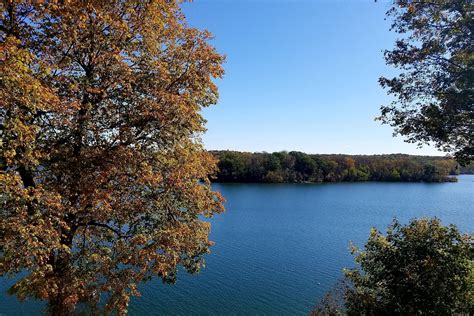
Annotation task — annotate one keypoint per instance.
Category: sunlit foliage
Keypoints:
(434, 99)
(103, 175)
(300, 167)
(422, 268)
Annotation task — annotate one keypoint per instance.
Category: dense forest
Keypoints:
(469, 169)
(290, 167)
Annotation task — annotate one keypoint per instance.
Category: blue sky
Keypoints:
(300, 75)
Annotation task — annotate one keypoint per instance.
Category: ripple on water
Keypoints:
(279, 248)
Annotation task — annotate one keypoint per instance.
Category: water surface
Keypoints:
(280, 247)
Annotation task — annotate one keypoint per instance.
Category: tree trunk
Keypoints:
(56, 307)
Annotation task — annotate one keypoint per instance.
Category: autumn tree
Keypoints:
(104, 180)
(434, 100)
(300, 167)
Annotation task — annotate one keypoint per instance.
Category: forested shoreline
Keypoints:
(297, 167)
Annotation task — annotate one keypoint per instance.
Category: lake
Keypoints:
(280, 247)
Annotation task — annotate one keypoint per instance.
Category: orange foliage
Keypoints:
(104, 177)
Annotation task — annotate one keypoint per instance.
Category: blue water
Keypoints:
(280, 247)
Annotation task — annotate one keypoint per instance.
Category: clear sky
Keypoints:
(300, 75)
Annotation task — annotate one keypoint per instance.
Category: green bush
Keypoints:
(423, 268)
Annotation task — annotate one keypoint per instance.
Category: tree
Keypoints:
(231, 166)
(434, 95)
(422, 268)
(104, 178)
(395, 176)
(295, 166)
(304, 165)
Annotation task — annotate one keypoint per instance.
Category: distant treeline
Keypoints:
(292, 167)
(469, 169)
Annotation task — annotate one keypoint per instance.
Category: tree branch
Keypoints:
(26, 177)
(114, 230)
